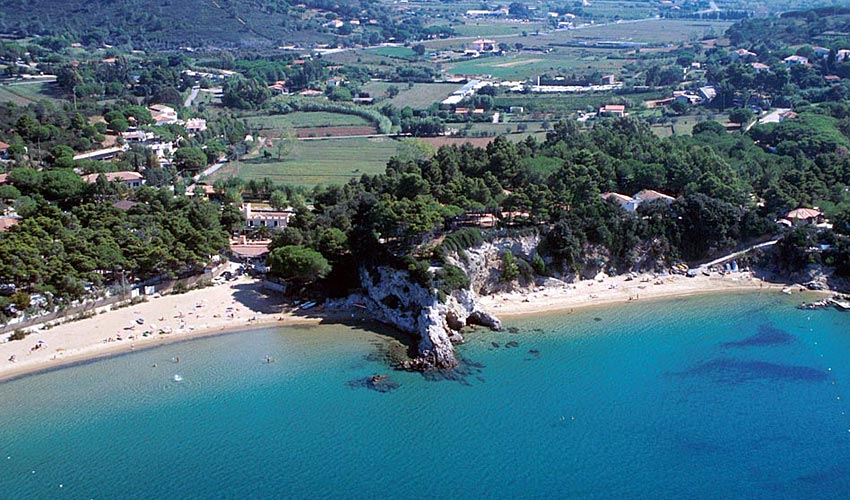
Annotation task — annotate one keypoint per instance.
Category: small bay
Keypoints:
(737, 396)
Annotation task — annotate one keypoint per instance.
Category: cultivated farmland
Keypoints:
(313, 162)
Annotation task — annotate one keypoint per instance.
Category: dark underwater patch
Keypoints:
(733, 371)
(826, 476)
(767, 336)
(465, 368)
(378, 383)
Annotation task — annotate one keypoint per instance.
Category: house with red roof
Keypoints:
(130, 179)
(803, 216)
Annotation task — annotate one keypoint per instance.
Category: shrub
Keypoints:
(18, 334)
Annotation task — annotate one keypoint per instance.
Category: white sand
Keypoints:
(235, 305)
(614, 290)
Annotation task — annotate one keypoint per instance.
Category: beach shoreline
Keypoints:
(236, 306)
(243, 305)
(617, 290)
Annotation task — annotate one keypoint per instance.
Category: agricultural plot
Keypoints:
(649, 31)
(474, 27)
(305, 119)
(28, 93)
(420, 95)
(560, 104)
(684, 125)
(314, 162)
(393, 52)
(527, 65)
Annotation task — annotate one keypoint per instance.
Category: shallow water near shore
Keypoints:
(701, 397)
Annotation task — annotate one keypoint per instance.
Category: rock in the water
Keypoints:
(379, 383)
(512, 343)
(483, 318)
(495, 344)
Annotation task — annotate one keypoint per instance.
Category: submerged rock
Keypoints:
(379, 383)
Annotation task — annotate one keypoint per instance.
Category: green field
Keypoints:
(327, 161)
(528, 65)
(305, 119)
(683, 125)
(27, 94)
(421, 95)
(566, 103)
(394, 52)
(479, 27)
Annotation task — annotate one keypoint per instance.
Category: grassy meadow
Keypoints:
(29, 93)
(420, 95)
(314, 162)
(304, 119)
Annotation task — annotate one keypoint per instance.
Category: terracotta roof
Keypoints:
(3, 145)
(6, 223)
(114, 176)
(612, 108)
(125, 204)
(804, 213)
(208, 190)
(250, 250)
(649, 194)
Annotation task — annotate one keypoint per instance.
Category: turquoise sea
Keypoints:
(739, 396)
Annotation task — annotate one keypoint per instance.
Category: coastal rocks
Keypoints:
(395, 299)
(483, 264)
(483, 318)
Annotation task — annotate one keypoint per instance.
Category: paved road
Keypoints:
(29, 81)
(191, 98)
(209, 171)
(739, 253)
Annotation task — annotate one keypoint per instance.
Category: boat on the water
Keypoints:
(308, 305)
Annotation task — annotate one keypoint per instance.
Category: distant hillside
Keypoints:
(195, 23)
(824, 25)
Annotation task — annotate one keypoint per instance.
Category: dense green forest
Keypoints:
(825, 25)
(169, 24)
(729, 191)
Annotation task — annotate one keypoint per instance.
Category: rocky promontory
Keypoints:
(434, 319)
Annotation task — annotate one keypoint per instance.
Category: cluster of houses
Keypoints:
(750, 57)
(166, 115)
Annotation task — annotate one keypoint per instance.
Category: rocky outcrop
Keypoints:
(395, 299)
(483, 264)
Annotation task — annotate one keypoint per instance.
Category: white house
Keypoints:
(131, 180)
(194, 125)
(628, 203)
(162, 114)
(271, 219)
(795, 60)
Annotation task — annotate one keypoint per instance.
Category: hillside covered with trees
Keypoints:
(167, 24)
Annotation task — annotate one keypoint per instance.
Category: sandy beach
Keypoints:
(242, 305)
(237, 305)
(621, 289)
